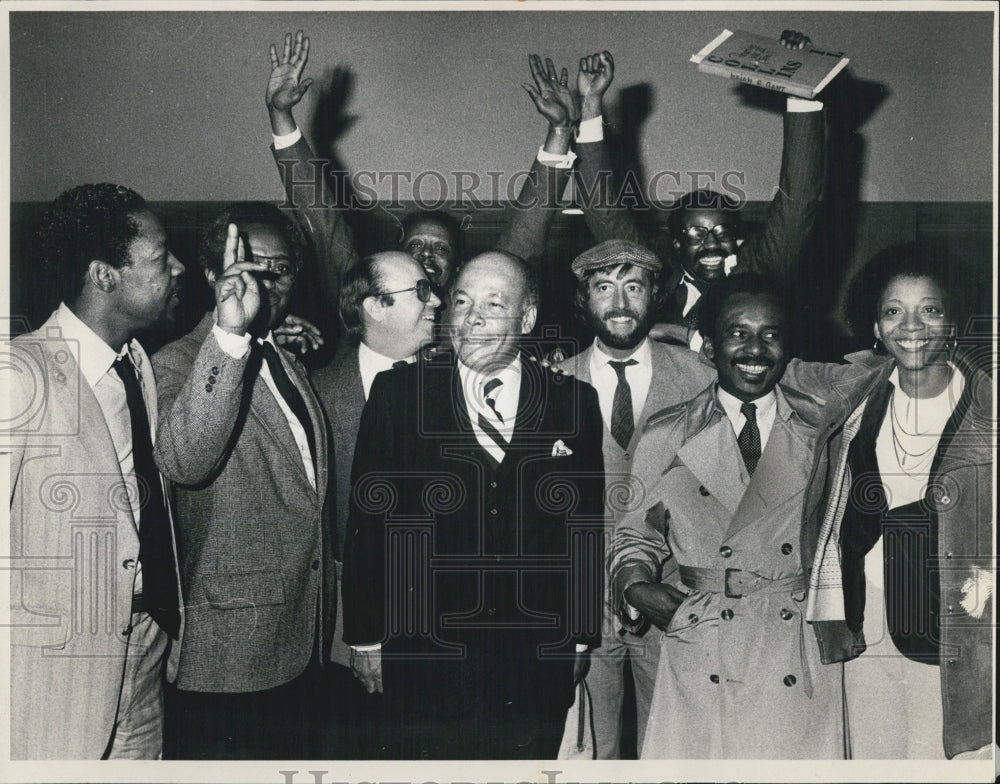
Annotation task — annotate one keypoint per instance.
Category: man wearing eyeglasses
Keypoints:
(387, 305)
(704, 244)
(243, 440)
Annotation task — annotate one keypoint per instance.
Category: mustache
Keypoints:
(623, 313)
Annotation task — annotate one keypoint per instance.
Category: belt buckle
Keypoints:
(728, 591)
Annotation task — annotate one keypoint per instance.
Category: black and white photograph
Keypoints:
(534, 391)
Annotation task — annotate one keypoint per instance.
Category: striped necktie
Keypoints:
(484, 423)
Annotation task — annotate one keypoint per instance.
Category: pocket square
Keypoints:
(559, 449)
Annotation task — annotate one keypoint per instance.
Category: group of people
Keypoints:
(422, 549)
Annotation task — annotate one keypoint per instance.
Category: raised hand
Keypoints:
(237, 295)
(286, 86)
(596, 73)
(793, 39)
(296, 332)
(553, 97)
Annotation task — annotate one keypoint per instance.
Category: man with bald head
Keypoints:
(477, 483)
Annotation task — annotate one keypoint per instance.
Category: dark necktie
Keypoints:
(399, 363)
(749, 438)
(622, 419)
(484, 424)
(156, 547)
(290, 393)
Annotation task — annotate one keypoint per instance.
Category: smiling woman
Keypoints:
(916, 531)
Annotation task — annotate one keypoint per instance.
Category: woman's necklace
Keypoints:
(913, 459)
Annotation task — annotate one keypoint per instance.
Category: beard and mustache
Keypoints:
(599, 323)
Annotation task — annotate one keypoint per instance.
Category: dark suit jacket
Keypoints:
(776, 249)
(256, 551)
(487, 570)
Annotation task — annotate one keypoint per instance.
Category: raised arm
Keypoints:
(304, 175)
(777, 248)
(200, 400)
(538, 202)
(596, 182)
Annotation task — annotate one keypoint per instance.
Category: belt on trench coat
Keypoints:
(737, 583)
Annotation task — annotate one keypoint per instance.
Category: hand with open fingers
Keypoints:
(596, 73)
(553, 97)
(237, 294)
(286, 86)
(296, 332)
(793, 39)
(367, 668)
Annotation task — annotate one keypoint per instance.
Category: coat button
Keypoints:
(60, 377)
(789, 680)
(628, 456)
(786, 614)
(493, 485)
(315, 564)
(713, 678)
(215, 370)
(947, 555)
(703, 490)
(945, 499)
(126, 630)
(128, 563)
(491, 612)
(208, 387)
(727, 614)
(725, 551)
(786, 549)
(951, 662)
(211, 379)
(493, 511)
(692, 618)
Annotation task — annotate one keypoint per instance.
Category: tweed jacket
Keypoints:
(256, 548)
(71, 528)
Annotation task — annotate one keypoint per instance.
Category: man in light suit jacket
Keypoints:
(388, 307)
(704, 243)
(721, 484)
(472, 563)
(635, 377)
(244, 442)
(87, 508)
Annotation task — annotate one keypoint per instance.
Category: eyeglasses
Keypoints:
(282, 266)
(724, 232)
(423, 287)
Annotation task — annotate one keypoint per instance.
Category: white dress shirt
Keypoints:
(604, 378)
(505, 399)
(372, 363)
(237, 346)
(766, 409)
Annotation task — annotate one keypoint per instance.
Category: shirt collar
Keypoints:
(732, 405)
(473, 381)
(370, 359)
(96, 357)
(642, 354)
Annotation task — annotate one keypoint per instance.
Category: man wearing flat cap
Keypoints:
(617, 293)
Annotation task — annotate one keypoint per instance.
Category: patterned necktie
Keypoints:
(290, 393)
(749, 438)
(484, 423)
(622, 419)
(488, 388)
(156, 547)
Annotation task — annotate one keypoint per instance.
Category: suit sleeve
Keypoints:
(777, 248)
(319, 210)
(533, 212)
(371, 499)
(197, 416)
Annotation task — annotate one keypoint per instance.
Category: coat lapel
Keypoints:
(779, 474)
(710, 450)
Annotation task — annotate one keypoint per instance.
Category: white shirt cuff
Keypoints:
(288, 139)
(367, 648)
(555, 160)
(580, 647)
(800, 105)
(235, 346)
(591, 130)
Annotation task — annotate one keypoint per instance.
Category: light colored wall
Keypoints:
(172, 103)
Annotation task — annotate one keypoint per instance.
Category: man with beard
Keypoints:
(94, 589)
(490, 467)
(634, 377)
(721, 483)
(704, 243)
(244, 442)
